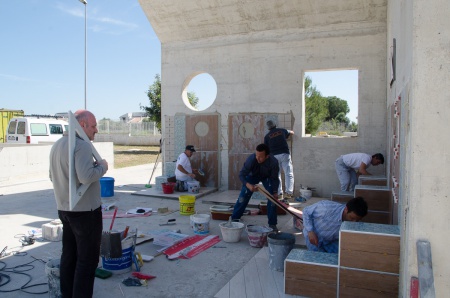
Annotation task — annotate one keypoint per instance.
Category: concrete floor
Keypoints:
(27, 206)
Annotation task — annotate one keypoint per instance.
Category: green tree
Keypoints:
(316, 107)
(193, 99)
(154, 96)
(336, 106)
(341, 118)
(353, 127)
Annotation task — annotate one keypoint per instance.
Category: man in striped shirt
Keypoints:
(322, 221)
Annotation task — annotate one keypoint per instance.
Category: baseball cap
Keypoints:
(190, 147)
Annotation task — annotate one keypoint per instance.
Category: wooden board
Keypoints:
(377, 199)
(370, 252)
(310, 280)
(373, 284)
(203, 132)
(291, 210)
(376, 182)
(306, 288)
(379, 217)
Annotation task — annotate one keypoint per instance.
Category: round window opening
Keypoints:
(200, 92)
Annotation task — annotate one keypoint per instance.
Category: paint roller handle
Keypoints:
(114, 217)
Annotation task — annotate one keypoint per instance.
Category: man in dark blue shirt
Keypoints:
(259, 167)
(276, 139)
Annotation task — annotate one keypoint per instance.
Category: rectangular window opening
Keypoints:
(330, 103)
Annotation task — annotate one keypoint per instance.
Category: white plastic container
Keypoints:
(193, 186)
(200, 223)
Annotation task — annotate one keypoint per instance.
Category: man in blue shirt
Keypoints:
(259, 167)
(322, 221)
(276, 139)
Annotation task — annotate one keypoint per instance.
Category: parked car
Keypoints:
(28, 130)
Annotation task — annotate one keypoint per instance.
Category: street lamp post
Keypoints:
(85, 52)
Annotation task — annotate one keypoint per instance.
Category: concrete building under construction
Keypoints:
(258, 53)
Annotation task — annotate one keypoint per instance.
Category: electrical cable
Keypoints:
(19, 269)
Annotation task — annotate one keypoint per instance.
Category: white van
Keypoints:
(29, 130)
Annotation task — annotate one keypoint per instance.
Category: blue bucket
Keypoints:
(122, 264)
(107, 187)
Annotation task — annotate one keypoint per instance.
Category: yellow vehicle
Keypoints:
(6, 115)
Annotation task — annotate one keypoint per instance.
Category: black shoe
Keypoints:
(274, 228)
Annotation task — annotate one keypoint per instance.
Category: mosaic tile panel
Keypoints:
(306, 256)
(363, 227)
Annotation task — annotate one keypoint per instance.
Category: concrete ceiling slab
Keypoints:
(175, 20)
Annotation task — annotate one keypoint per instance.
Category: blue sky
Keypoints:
(342, 83)
(42, 60)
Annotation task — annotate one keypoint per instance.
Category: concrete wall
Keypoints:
(125, 139)
(423, 73)
(263, 71)
(26, 163)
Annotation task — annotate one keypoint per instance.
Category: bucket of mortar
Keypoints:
(122, 264)
(257, 235)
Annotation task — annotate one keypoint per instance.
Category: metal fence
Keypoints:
(131, 129)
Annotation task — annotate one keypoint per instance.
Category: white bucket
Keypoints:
(193, 186)
(306, 193)
(200, 223)
(233, 233)
(122, 264)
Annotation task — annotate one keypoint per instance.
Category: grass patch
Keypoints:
(129, 156)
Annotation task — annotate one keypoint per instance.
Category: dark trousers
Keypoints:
(246, 194)
(82, 232)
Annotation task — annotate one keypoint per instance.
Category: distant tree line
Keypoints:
(320, 109)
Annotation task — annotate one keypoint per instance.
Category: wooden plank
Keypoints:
(378, 217)
(245, 132)
(310, 272)
(348, 292)
(377, 199)
(341, 197)
(378, 243)
(291, 210)
(374, 281)
(377, 182)
(370, 261)
(309, 288)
